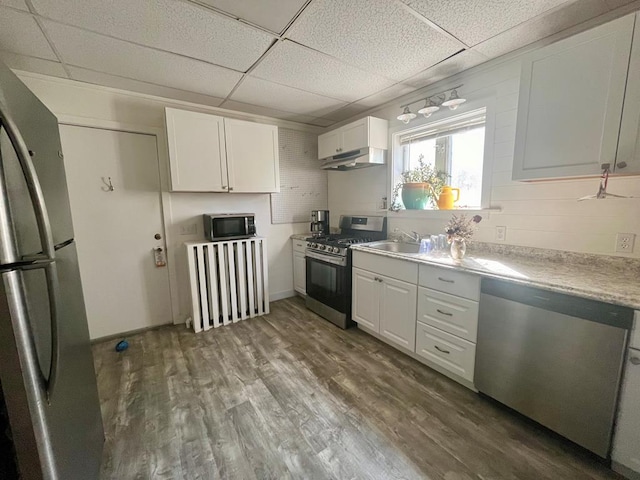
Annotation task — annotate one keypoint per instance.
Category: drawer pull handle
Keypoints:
(444, 313)
(442, 350)
(635, 360)
(445, 280)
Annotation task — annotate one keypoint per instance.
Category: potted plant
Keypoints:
(459, 230)
(418, 187)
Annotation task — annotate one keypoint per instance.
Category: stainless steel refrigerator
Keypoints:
(52, 426)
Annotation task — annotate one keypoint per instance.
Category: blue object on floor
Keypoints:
(122, 345)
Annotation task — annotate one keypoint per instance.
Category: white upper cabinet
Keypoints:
(363, 133)
(252, 157)
(570, 103)
(628, 159)
(196, 151)
(208, 153)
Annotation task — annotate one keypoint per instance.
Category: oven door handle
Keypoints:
(339, 261)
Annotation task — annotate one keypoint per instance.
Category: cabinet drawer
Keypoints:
(299, 245)
(389, 267)
(449, 281)
(455, 315)
(448, 351)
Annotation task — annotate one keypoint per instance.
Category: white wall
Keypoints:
(83, 101)
(539, 214)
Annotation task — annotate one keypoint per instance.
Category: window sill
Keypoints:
(441, 213)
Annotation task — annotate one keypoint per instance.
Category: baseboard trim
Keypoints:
(274, 297)
(625, 471)
(128, 333)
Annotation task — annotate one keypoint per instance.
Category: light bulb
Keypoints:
(406, 115)
(430, 107)
(454, 100)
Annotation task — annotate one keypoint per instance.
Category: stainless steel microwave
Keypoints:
(229, 226)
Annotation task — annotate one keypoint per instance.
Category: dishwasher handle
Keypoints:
(585, 308)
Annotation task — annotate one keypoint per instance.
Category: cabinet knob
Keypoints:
(621, 164)
(635, 360)
(230, 188)
(224, 187)
(337, 149)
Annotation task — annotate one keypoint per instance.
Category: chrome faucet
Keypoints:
(414, 236)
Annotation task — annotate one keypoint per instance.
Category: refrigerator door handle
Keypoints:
(33, 184)
(46, 236)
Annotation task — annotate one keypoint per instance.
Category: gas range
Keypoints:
(328, 261)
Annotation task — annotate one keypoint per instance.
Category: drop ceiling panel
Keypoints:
(267, 94)
(543, 26)
(273, 15)
(104, 79)
(379, 36)
(449, 67)
(32, 64)
(345, 112)
(386, 95)
(477, 20)
(15, 4)
(296, 66)
(19, 33)
(104, 54)
(258, 110)
(169, 25)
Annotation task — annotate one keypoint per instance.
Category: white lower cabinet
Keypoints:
(452, 353)
(365, 307)
(299, 267)
(398, 311)
(626, 445)
(455, 315)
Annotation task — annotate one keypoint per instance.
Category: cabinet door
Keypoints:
(252, 157)
(626, 450)
(355, 135)
(365, 307)
(197, 155)
(570, 103)
(329, 144)
(629, 143)
(299, 273)
(398, 312)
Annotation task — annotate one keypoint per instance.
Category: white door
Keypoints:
(365, 309)
(329, 144)
(398, 312)
(355, 135)
(196, 151)
(114, 230)
(252, 156)
(570, 103)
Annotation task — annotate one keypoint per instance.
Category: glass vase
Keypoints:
(458, 248)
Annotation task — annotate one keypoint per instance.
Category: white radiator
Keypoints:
(229, 281)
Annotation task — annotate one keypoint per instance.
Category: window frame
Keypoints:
(395, 151)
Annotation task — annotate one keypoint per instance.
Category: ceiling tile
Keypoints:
(258, 110)
(104, 79)
(15, 4)
(273, 15)
(613, 4)
(19, 33)
(386, 95)
(532, 31)
(104, 54)
(379, 36)
(296, 66)
(322, 122)
(169, 25)
(475, 21)
(458, 63)
(267, 94)
(32, 64)
(346, 112)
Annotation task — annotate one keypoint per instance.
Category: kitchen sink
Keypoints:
(397, 247)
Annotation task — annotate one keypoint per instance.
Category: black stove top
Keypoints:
(338, 240)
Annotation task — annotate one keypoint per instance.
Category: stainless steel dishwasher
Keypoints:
(554, 358)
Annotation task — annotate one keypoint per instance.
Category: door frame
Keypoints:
(162, 150)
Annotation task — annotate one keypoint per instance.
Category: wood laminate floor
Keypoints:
(289, 395)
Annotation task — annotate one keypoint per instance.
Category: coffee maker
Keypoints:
(319, 222)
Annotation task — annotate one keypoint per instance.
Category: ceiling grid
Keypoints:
(313, 61)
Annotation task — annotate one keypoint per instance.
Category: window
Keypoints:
(454, 146)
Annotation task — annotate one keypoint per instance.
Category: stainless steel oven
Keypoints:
(329, 286)
(328, 261)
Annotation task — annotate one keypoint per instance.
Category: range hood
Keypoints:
(364, 157)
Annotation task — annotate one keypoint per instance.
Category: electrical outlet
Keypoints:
(624, 242)
(189, 229)
(501, 234)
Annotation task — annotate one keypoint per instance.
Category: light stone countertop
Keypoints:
(608, 279)
(300, 236)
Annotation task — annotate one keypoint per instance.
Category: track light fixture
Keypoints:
(433, 103)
